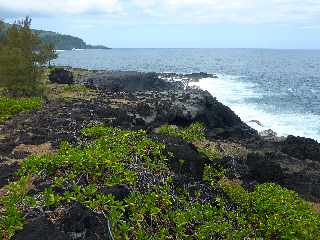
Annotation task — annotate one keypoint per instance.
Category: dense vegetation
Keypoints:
(23, 57)
(65, 42)
(163, 209)
(62, 41)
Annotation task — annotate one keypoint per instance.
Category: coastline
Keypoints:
(235, 95)
(255, 84)
(143, 104)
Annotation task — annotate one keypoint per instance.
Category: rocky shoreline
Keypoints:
(132, 100)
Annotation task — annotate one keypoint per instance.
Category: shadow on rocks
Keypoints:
(77, 222)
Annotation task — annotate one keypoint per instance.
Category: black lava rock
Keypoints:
(61, 76)
(302, 148)
(78, 222)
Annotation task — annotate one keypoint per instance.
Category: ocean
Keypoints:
(278, 88)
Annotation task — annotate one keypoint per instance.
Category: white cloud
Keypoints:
(235, 11)
(306, 12)
(58, 7)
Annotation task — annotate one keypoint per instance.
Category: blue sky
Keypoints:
(177, 23)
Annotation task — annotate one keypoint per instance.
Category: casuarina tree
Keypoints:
(23, 58)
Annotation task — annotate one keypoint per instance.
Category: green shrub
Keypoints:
(99, 130)
(161, 210)
(194, 132)
(11, 106)
(276, 212)
(11, 220)
(212, 153)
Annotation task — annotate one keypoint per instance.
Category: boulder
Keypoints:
(42, 229)
(302, 148)
(76, 223)
(7, 173)
(186, 159)
(82, 223)
(61, 76)
(120, 191)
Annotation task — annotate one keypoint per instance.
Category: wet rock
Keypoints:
(198, 76)
(61, 76)
(188, 77)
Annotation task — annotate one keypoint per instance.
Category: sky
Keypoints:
(284, 24)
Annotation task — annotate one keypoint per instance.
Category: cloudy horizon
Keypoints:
(177, 23)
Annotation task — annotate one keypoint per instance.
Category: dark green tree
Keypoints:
(23, 57)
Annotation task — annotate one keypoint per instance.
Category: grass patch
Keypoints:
(160, 211)
(11, 106)
(70, 92)
(195, 132)
(76, 88)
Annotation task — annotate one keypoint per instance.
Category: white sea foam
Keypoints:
(231, 91)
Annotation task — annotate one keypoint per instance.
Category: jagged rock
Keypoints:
(76, 222)
(82, 223)
(6, 146)
(40, 228)
(198, 76)
(128, 81)
(264, 167)
(61, 76)
(60, 120)
(302, 176)
(7, 173)
(268, 133)
(189, 77)
(302, 148)
(293, 163)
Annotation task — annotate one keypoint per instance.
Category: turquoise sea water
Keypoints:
(279, 88)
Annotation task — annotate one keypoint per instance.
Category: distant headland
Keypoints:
(63, 41)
